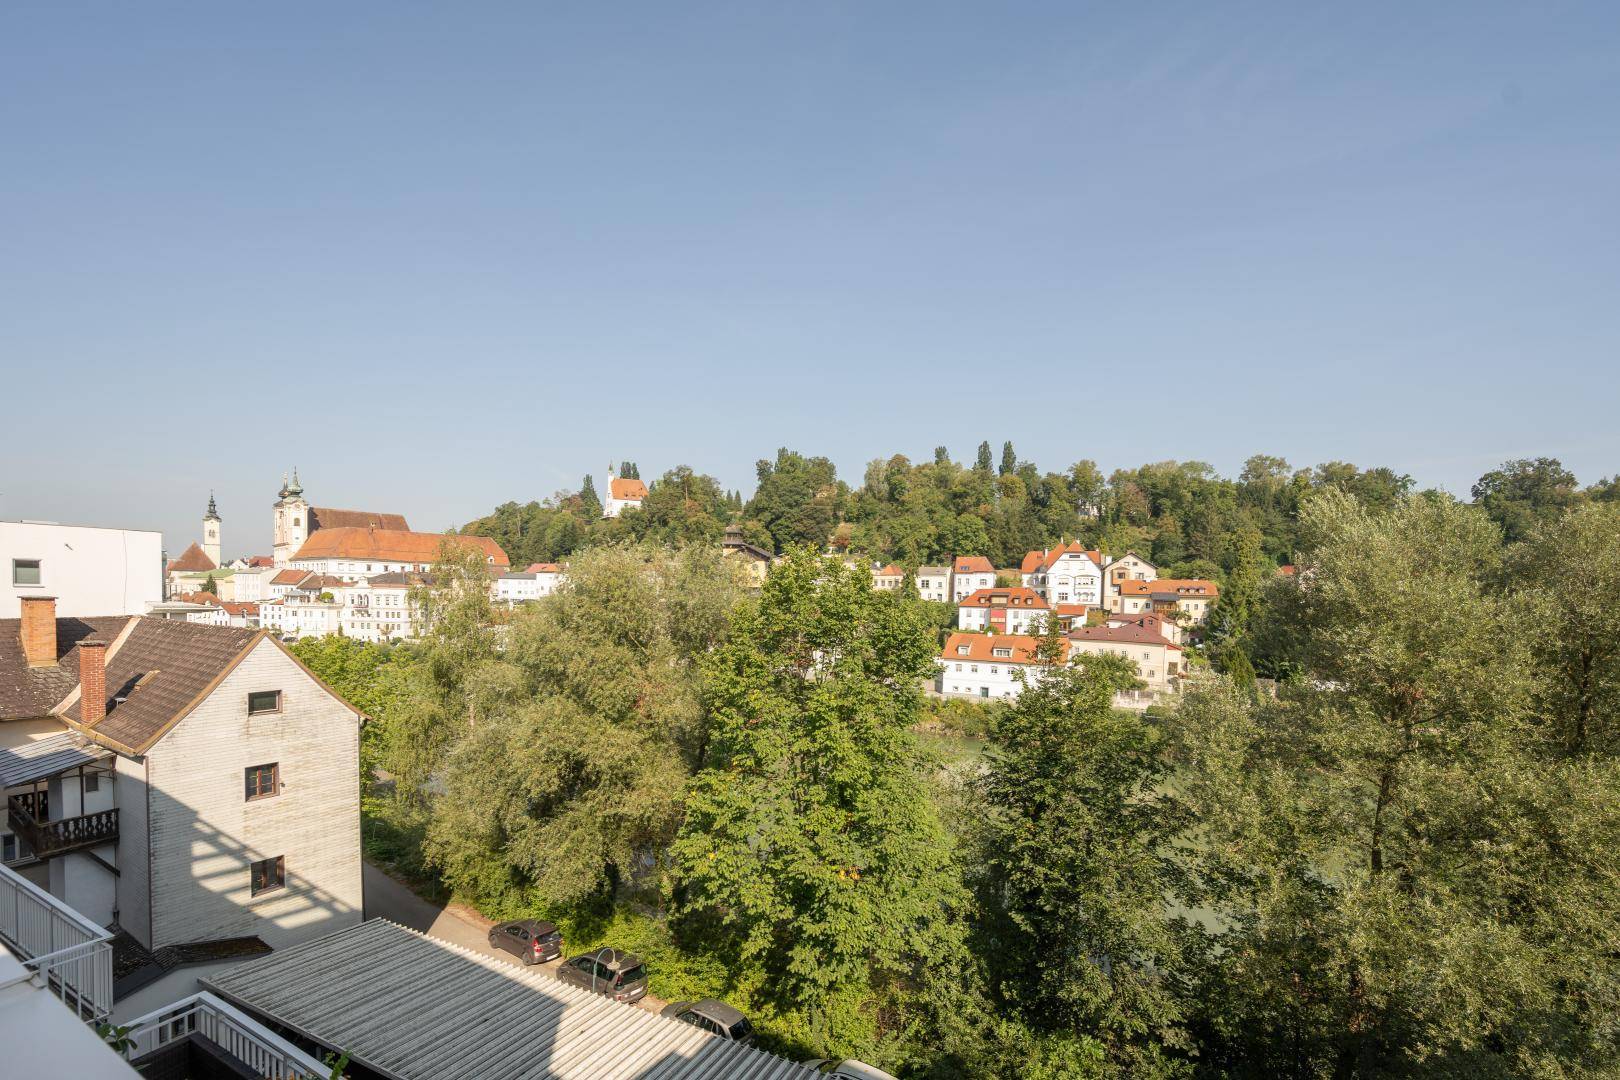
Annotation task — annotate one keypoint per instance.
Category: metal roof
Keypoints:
(46, 757)
(412, 1007)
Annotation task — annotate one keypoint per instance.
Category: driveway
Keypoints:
(387, 898)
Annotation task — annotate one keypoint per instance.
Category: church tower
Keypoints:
(292, 520)
(210, 543)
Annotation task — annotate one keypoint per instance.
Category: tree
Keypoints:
(1523, 492)
(590, 502)
(682, 507)
(942, 456)
(211, 586)
(984, 461)
(798, 499)
(809, 842)
(1009, 459)
(1077, 849)
(628, 471)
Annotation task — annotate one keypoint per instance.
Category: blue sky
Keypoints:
(440, 256)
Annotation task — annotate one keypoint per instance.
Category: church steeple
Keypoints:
(213, 511)
(210, 523)
(295, 488)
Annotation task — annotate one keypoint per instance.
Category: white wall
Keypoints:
(965, 585)
(980, 678)
(90, 571)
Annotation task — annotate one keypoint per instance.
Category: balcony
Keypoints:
(202, 1036)
(69, 954)
(47, 839)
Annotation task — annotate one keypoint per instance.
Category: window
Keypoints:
(25, 572)
(8, 848)
(92, 782)
(267, 875)
(264, 701)
(263, 781)
(958, 667)
(1001, 652)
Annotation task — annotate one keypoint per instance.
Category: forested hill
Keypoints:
(1185, 517)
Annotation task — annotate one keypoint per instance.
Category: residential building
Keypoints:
(520, 587)
(969, 574)
(193, 784)
(1128, 567)
(353, 553)
(547, 576)
(757, 559)
(934, 583)
(623, 493)
(1003, 611)
(1187, 598)
(380, 608)
(889, 578)
(987, 665)
(89, 570)
(296, 521)
(1068, 574)
(251, 584)
(1070, 615)
(1168, 629)
(1159, 663)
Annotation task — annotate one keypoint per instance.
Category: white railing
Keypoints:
(71, 953)
(251, 1043)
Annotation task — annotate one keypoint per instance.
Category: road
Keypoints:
(389, 899)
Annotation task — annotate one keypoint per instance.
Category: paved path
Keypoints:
(388, 898)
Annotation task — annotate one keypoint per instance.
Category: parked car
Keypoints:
(849, 1068)
(530, 940)
(712, 1016)
(615, 974)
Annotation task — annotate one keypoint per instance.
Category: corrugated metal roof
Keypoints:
(45, 757)
(413, 1007)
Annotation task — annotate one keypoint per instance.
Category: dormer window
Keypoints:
(1001, 652)
(963, 650)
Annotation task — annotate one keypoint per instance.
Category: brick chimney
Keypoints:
(39, 630)
(92, 681)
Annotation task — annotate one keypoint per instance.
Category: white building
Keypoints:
(987, 665)
(624, 493)
(538, 580)
(934, 583)
(252, 584)
(88, 570)
(380, 608)
(1070, 574)
(1003, 611)
(296, 521)
(1159, 663)
(1128, 567)
(1189, 599)
(354, 553)
(969, 574)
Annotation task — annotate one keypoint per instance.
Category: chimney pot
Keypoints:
(92, 681)
(39, 630)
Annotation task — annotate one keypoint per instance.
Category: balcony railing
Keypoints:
(50, 838)
(264, 1052)
(71, 954)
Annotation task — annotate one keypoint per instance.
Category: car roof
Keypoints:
(533, 925)
(717, 1010)
(613, 958)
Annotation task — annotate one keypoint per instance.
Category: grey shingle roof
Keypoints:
(412, 1007)
(31, 692)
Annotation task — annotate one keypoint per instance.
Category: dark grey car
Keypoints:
(530, 940)
(618, 975)
(712, 1016)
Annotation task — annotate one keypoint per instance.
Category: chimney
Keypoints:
(39, 630)
(92, 681)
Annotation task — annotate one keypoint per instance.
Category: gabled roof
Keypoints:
(244, 608)
(290, 577)
(1051, 558)
(623, 488)
(541, 568)
(1032, 562)
(1071, 611)
(1171, 588)
(324, 517)
(1122, 635)
(1016, 597)
(260, 562)
(890, 571)
(193, 560)
(972, 564)
(27, 693)
(982, 647)
(385, 545)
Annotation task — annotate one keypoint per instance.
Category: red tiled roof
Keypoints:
(1016, 597)
(1123, 635)
(324, 517)
(199, 597)
(891, 571)
(541, 568)
(1032, 562)
(1173, 588)
(981, 648)
(289, 577)
(260, 562)
(386, 545)
(1071, 611)
(235, 608)
(621, 488)
(973, 564)
(1057, 553)
(193, 559)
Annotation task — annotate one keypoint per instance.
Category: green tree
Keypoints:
(590, 502)
(984, 462)
(211, 586)
(810, 841)
(1009, 459)
(628, 471)
(683, 507)
(798, 499)
(1521, 493)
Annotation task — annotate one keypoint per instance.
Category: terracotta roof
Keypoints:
(1171, 588)
(193, 559)
(1142, 618)
(1122, 635)
(541, 568)
(1016, 597)
(25, 692)
(972, 564)
(1286, 570)
(386, 545)
(235, 608)
(890, 571)
(1032, 562)
(1051, 557)
(260, 562)
(324, 517)
(622, 488)
(196, 598)
(1071, 611)
(289, 577)
(981, 648)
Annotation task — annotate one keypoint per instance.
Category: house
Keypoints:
(194, 784)
(889, 578)
(547, 576)
(1159, 663)
(1068, 574)
(90, 570)
(987, 665)
(380, 608)
(624, 493)
(353, 553)
(1168, 629)
(757, 559)
(1067, 615)
(532, 583)
(1189, 598)
(934, 583)
(1128, 567)
(969, 574)
(251, 584)
(1003, 611)
(296, 521)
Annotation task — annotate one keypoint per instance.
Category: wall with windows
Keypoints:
(90, 571)
(207, 832)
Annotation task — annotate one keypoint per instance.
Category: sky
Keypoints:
(441, 256)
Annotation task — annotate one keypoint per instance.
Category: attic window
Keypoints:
(963, 650)
(264, 701)
(1001, 652)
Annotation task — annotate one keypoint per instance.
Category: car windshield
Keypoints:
(742, 1029)
(552, 936)
(630, 975)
